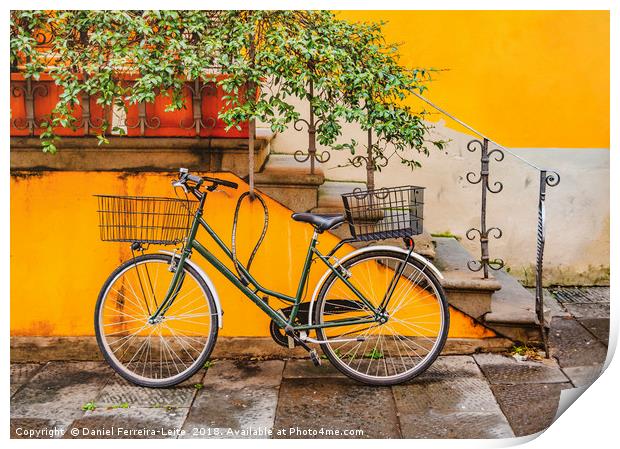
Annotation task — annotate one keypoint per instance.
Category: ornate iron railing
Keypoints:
(199, 122)
(311, 153)
(483, 232)
(547, 178)
(28, 91)
(32, 101)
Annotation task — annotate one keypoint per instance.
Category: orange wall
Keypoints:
(58, 263)
(525, 78)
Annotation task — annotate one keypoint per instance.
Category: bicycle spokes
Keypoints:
(403, 335)
(174, 341)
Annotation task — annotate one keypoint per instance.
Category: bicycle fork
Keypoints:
(398, 272)
(176, 266)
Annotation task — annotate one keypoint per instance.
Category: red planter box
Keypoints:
(157, 122)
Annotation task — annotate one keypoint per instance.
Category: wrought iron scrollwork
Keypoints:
(198, 121)
(379, 161)
(484, 233)
(86, 121)
(372, 161)
(28, 91)
(143, 122)
(312, 123)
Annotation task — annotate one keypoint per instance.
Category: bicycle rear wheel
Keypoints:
(416, 321)
(168, 351)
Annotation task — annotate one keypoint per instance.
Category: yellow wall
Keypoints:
(525, 78)
(58, 263)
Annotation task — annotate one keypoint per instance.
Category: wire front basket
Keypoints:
(394, 212)
(164, 221)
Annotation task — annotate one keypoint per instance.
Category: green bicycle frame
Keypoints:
(253, 294)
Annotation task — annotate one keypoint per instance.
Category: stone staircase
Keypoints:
(288, 182)
(500, 302)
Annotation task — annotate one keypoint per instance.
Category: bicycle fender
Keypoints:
(207, 280)
(357, 252)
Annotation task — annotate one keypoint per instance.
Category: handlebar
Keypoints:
(185, 176)
(222, 182)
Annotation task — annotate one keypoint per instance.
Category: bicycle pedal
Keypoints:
(291, 342)
(314, 356)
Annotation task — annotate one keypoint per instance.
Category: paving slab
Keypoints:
(59, 390)
(599, 327)
(456, 425)
(295, 368)
(594, 310)
(572, 345)
(451, 367)
(450, 400)
(119, 391)
(552, 306)
(582, 376)
(129, 423)
(238, 374)
(530, 408)
(232, 413)
(22, 373)
(430, 394)
(309, 406)
(37, 428)
(502, 369)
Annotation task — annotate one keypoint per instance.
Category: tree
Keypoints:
(346, 71)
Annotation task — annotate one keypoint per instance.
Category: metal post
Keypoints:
(251, 138)
(311, 131)
(370, 164)
(483, 233)
(251, 93)
(550, 179)
(198, 121)
(484, 239)
(311, 123)
(28, 91)
(143, 121)
(197, 106)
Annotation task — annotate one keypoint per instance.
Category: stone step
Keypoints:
(289, 182)
(500, 302)
(467, 291)
(330, 195)
(513, 310)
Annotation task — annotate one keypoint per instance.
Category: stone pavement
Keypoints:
(479, 396)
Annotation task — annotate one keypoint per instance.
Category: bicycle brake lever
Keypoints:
(180, 184)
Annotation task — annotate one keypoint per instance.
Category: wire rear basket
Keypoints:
(394, 212)
(164, 221)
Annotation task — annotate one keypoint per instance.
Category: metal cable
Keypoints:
(478, 133)
(234, 232)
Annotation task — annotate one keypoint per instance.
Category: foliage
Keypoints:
(525, 352)
(270, 59)
(375, 354)
(121, 405)
(89, 406)
(446, 234)
(208, 364)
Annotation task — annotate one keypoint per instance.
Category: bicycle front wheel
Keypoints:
(411, 332)
(173, 348)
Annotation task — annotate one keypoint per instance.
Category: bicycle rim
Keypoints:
(162, 353)
(415, 330)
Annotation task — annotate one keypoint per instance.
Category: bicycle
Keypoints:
(379, 313)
